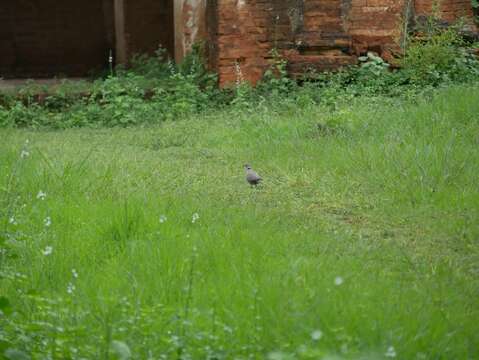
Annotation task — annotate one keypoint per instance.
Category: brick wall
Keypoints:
(48, 37)
(449, 10)
(318, 34)
(376, 24)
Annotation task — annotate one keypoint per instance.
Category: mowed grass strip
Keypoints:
(362, 242)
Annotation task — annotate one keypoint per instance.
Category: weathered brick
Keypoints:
(46, 37)
(320, 34)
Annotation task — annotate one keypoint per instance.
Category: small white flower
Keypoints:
(338, 281)
(48, 221)
(74, 273)
(391, 352)
(47, 251)
(70, 288)
(195, 217)
(24, 154)
(316, 335)
(163, 218)
(12, 220)
(41, 195)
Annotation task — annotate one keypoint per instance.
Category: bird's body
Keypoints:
(251, 176)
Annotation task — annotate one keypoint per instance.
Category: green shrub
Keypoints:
(276, 82)
(440, 55)
(158, 66)
(155, 89)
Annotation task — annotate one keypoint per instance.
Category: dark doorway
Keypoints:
(149, 25)
(45, 38)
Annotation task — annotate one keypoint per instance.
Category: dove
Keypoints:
(251, 176)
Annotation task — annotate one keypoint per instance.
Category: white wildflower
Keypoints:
(41, 195)
(12, 220)
(338, 281)
(70, 288)
(47, 221)
(195, 217)
(163, 218)
(24, 154)
(316, 335)
(75, 273)
(391, 353)
(239, 74)
(47, 251)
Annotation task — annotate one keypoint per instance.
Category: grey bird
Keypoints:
(251, 176)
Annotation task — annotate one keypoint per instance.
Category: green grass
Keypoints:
(383, 196)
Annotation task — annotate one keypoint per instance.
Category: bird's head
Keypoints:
(247, 167)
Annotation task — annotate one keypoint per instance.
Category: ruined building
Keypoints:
(44, 38)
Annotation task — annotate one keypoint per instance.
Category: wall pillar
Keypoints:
(120, 34)
(179, 30)
(191, 24)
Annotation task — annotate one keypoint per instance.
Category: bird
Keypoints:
(251, 176)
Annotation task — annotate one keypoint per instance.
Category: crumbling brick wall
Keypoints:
(376, 25)
(449, 10)
(313, 34)
(48, 37)
(310, 34)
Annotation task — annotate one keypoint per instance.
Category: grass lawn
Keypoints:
(362, 242)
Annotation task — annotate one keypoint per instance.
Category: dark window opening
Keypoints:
(149, 25)
(45, 38)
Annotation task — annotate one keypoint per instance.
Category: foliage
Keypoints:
(438, 56)
(155, 89)
(276, 82)
(151, 67)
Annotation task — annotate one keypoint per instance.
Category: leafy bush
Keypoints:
(439, 55)
(153, 67)
(276, 81)
(155, 89)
